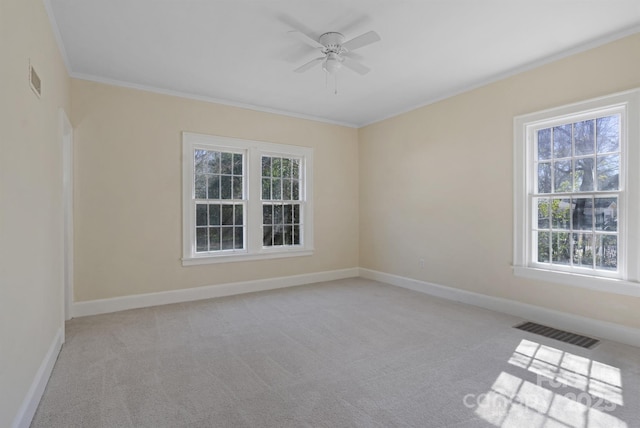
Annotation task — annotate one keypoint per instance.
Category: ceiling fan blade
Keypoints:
(308, 65)
(353, 55)
(362, 40)
(355, 66)
(306, 39)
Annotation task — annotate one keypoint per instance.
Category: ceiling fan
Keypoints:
(335, 51)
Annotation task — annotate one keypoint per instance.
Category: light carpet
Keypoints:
(349, 353)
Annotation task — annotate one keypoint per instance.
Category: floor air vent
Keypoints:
(561, 335)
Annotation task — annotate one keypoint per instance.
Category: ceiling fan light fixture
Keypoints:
(332, 63)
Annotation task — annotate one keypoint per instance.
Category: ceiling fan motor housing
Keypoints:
(332, 42)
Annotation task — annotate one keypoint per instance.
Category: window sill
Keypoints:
(229, 258)
(607, 285)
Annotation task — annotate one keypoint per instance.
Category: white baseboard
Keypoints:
(115, 304)
(32, 399)
(575, 323)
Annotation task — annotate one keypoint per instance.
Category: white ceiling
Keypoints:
(238, 52)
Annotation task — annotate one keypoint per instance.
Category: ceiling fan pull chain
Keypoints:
(335, 92)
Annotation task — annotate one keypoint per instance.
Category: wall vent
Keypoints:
(561, 335)
(34, 81)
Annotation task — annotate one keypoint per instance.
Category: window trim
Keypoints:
(629, 254)
(253, 151)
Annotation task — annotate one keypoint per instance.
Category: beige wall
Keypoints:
(128, 198)
(437, 183)
(30, 198)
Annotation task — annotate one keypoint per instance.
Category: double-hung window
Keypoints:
(245, 200)
(219, 200)
(577, 194)
(282, 203)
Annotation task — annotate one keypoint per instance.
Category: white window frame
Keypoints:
(253, 152)
(626, 280)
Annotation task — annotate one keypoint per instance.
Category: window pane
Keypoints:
(584, 134)
(544, 144)
(202, 243)
(213, 163)
(227, 163)
(227, 238)
(543, 213)
(543, 247)
(267, 214)
(277, 235)
(237, 188)
(560, 245)
(214, 214)
(562, 141)
(544, 177)
(584, 170)
(267, 236)
(296, 235)
(201, 214)
(286, 189)
(238, 212)
(295, 190)
(583, 249)
(276, 167)
(238, 239)
(237, 164)
(296, 213)
(295, 168)
(607, 252)
(276, 188)
(288, 235)
(227, 215)
(562, 171)
(213, 184)
(225, 184)
(286, 168)
(608, 172)
(214, 239)
(560, 213)
(606, 213)
(288, 214)
(200, 186)
(278, 218)
(199, 160)
(266, 189)
(608, 134)
(582, 215)
(266, 166)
